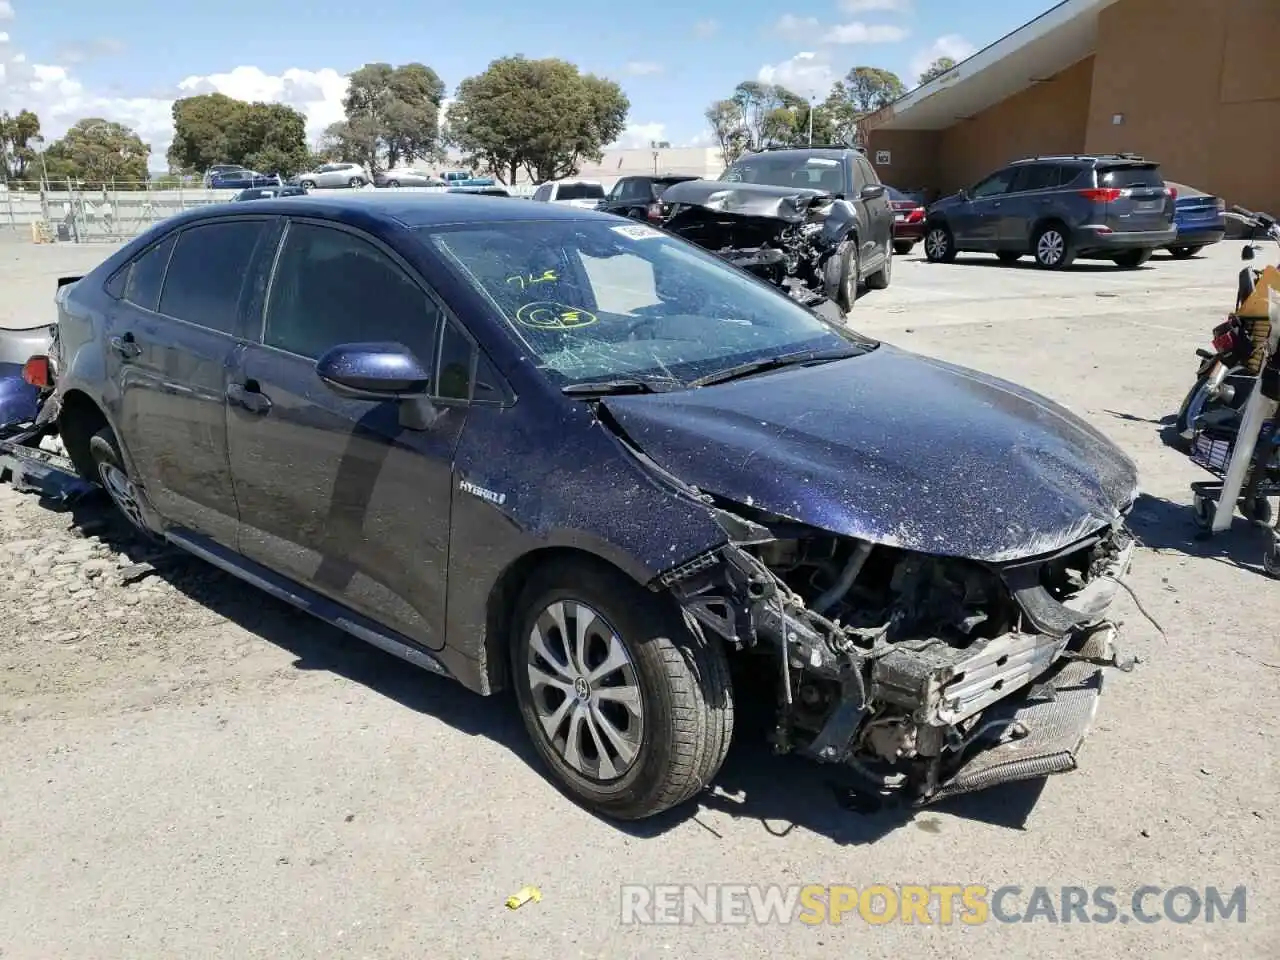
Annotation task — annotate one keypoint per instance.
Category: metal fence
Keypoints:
(113, 212)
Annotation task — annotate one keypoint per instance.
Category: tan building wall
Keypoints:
(1196, 84)
(1200, 93)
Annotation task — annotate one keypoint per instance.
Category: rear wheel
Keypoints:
(1052, 248)
(630, 711)
(114, 476)
(307, 184)
(1184, 253)
(1132, 259)
(880, 279)
(393, 183)
(939, 244)
(355, 182)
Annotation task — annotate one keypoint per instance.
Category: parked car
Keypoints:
(263, 193)
(420, 419)
(242, 180)
(1057, 209)
(908, 219)
(465, 178)
(406, 177)
(483, 191)
(1201, 219)
(331, 175)
(815, 221)
(222, 169)
(640, 198)
(586, 194)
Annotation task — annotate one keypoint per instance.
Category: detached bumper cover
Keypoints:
(1039, 732)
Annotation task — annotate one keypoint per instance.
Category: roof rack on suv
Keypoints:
(813, 146)
(1084, 156)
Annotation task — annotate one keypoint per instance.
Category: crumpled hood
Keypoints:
(791, 204)
(893, 448)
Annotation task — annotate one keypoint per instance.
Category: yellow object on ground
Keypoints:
(523, 896)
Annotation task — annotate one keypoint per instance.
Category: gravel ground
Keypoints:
(190, 768)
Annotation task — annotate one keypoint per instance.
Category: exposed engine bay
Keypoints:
(784, 235)
(925, 674)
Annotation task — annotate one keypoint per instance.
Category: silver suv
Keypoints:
(330, 175)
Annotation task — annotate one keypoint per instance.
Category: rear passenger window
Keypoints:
(332, 287)
(1042, 176)
(207, 272)
(143, 277)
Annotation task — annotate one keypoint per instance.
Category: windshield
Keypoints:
(580, 191)
(594, 300)
(788, 170)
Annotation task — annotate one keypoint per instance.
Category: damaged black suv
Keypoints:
(815, 221)
(553, 450)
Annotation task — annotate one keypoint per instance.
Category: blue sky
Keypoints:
(71, 58)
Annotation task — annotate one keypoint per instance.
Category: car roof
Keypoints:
(831, 153)
(405, 209)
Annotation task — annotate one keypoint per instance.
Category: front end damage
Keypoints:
(929, 675)
(784, 236)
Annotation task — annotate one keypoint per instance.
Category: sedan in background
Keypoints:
(265, 193)
(908, 219)
(242, 180)
(330, 175)
(406, 177)
(1200, 218)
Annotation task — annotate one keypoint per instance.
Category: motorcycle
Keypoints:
(1226, 375)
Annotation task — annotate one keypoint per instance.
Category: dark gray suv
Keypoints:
(1057, 209)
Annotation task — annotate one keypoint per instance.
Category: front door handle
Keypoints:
(126, 346)
(248, 397)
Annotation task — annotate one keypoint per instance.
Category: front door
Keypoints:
(977, 222)
(171, 348)
(336, 493)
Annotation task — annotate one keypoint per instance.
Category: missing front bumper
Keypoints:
(1053, 717)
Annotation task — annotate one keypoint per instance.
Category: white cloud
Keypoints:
(861, 6)
(638, 135)
(6, 10)
(862, 33)
(951, 45)
(642, 68)
(812, 29)
(808, 74)
(703, 29)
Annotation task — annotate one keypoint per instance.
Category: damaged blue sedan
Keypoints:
(552, 451)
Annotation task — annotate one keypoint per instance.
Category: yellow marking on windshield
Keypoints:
(529, 279)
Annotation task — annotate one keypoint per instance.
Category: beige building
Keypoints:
(1192, 84)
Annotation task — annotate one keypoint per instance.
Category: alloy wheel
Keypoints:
(936, 243)
(585, 691)
(1050, 248)
(123, 493)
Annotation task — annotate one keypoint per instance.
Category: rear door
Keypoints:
(172, 346)
(1032, 197)
(1134, 197)
(337, 493)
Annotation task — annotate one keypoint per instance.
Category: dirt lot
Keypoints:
(190, 768)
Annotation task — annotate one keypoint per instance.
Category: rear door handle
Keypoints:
(126, 346)
(247, 396)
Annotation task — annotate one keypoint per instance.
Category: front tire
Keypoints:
(631, 713)
(1052, 248)
(842, 275)
(307, 184)
(393, 183)
(939, 244)
(355, 183)
(881, 278)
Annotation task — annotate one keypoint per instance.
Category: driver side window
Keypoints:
(995, 184)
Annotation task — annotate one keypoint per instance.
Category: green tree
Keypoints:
(725, 119)
(867, 89)
(16, 152)
(214, 128)
(542, 115)
(392, 112)
(936, 69)
(99, 151)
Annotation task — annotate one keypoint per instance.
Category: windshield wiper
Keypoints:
(618, 387)
(800, 358)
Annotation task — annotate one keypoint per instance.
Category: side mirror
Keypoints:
(1248, 252)
(373, 371)
(872, 191)
(962, 194)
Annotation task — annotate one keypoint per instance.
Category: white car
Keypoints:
(575, 193)
(334, 175)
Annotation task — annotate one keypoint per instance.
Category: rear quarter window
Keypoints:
(145, 275)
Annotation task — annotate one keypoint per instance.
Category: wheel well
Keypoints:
(1048, 222)
(505, 594)
(78, 420)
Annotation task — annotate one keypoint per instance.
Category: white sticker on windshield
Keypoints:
(637, 231)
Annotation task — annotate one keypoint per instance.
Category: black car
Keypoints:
(640, 198)
(540, 448)
(816, 221)
(1057, 209)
